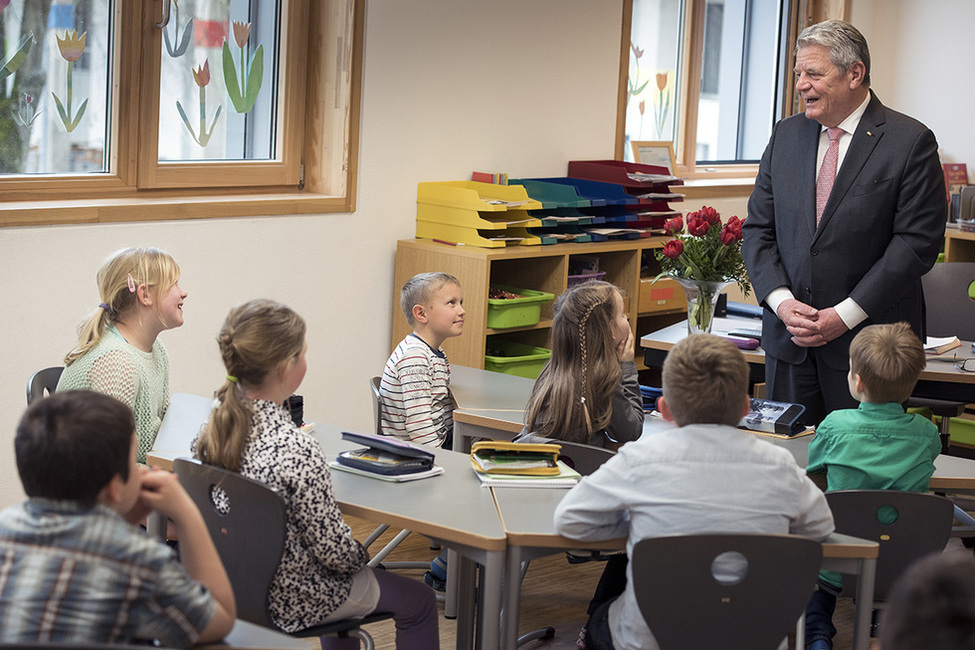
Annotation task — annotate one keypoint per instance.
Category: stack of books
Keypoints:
(510, 464)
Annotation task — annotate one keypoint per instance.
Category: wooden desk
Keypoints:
(452, 507)
(529, 525)
(939, 379)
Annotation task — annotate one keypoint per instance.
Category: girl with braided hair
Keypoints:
(588, 392)
(323, 575)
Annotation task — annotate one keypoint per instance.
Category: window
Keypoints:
(122, 109)
(710, 76)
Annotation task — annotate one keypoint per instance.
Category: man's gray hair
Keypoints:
(845, 43)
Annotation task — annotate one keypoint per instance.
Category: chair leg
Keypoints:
(374, 535)
(801, 632)
(392, 544)
(364, 638)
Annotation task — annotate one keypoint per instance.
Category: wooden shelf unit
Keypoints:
(542, 268)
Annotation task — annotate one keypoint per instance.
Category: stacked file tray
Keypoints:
(610, 208)
(649, 185)
(562, 213)
(476, 214)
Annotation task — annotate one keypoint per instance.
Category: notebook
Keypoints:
(184, 418)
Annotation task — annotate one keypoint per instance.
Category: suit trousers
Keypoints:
(812, 383)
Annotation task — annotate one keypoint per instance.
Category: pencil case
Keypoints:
(498, 457)
(384, 455)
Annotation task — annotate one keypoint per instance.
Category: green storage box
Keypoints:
(524, 311)
(517, 358)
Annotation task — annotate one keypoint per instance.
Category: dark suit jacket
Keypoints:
(880, 232)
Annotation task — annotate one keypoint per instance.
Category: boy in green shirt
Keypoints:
(874, 447)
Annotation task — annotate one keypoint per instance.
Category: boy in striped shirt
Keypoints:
(415, 399)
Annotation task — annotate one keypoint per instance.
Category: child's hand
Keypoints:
(162, 493)
(625, 347)
(140, 510)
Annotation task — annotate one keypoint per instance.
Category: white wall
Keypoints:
(450, 86)
(919, 53)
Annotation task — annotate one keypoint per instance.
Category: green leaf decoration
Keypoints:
(77, 118)
(18, 58)
(254, 77)
(182, 43)
(243, 99)
(61, 111)
(230, 78)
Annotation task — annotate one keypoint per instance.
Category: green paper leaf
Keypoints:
(182, 114)
(254, 77)
(77, 118)
(230, 79)
(18, 58)
(64, 116)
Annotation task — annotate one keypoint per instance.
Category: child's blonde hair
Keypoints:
(705, 381)
(574, 391)
(118, 282)
(256, 339)
(419, 289)
(889, 359)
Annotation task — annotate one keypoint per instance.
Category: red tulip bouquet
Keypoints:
(705, 259)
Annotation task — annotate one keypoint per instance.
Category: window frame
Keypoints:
(327, 174)
(802, 13)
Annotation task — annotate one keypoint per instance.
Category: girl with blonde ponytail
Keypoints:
(323, 574)
(118, 352)
(588, 392)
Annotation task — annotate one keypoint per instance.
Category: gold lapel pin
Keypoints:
(870, 133)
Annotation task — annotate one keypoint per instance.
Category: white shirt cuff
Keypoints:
(778, 296)
(850, 313)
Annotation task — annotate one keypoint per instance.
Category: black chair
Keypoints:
(949, 312)
(41, 381)
(250, 541)
(922, 525)
(687, 604)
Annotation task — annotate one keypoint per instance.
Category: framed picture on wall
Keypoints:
(655, 152)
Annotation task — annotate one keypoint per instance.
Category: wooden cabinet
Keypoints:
(542, 268)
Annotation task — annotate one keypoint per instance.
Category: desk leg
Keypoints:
(450, 594)
(512, 597)
(464, 602)
(462, 439)
(864, 604)
(489, 606)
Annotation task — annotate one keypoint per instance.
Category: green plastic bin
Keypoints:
(516, 312)
(519, 359)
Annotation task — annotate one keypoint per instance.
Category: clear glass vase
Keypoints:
(702, 298)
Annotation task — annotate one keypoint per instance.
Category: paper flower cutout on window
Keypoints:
(12, 64)
(71, 47)
(635, 87)
(28, 111)
(243, 93)
(661, 102)
(182, 40)
(202, 78)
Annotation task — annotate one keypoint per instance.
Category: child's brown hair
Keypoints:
(705, 381)
(889, 358)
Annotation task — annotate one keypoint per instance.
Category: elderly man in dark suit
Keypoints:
(847, 214)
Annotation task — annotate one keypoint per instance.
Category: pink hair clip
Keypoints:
(131, 284)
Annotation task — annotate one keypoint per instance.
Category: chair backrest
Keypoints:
(950, 311)
(917, 524)
(585, 459)
(692, 595)
(249, 536)
(43, 380)
(376, 400)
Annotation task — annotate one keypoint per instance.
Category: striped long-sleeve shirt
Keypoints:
(415, 400)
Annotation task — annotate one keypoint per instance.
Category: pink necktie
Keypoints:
(827, 173)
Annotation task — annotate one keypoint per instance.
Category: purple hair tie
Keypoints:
(105, 307)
